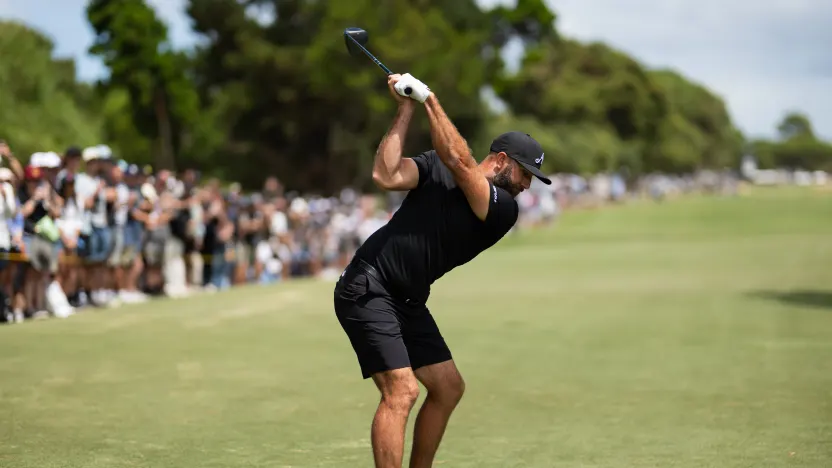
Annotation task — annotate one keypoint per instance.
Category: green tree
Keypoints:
(590, 89)
(289, 100)
(795, 125)
(698, 132)
(43, 107)
(797, 148)
(132, 41)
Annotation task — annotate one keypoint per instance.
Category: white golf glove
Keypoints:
(419, 91)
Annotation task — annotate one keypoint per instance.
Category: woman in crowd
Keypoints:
(70, 224)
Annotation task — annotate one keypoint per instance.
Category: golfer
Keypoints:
(455, 209)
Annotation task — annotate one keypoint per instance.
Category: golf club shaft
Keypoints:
(377, 61)
(372, 57)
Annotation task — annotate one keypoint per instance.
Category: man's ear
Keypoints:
(501, 161)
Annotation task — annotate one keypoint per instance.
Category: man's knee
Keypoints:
(444, 383)
(401, 393)
(450, 391)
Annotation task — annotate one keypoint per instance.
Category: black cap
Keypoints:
(73, 152)
(524, 149)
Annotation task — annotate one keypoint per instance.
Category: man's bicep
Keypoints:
(408, 174)
(405, 178)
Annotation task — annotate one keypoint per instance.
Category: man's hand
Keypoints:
(418, 90)
(402, 100)
(14, 164)
(40, 193)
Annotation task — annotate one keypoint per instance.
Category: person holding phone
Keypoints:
(40, 207)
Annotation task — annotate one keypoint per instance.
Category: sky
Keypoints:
(764, 58)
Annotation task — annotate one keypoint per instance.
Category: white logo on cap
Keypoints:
(540, 159)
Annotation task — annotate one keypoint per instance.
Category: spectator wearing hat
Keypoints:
(156, 217)
(70, 166)
(51, 165)
(134, 234)
(91, 186)
(40, 206)
(123, 253)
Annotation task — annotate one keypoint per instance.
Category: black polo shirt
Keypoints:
(434, 231)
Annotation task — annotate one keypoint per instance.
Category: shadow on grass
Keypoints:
(807, 298)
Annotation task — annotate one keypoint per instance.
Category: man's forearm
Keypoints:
(389, 154)
(451, 147)
(16, 167)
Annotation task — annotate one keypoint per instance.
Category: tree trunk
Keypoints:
(164, 155)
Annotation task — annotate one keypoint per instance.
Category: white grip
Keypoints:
(418, 90)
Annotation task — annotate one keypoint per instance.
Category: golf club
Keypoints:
(356, 38)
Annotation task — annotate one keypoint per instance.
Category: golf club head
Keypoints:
(353, 35)
(356, 41)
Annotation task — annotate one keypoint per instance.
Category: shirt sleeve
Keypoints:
(502, 209)
(425, 163)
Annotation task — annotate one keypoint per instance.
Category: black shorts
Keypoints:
(385, 332)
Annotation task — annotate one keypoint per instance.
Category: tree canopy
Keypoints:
(42, 107)
(270, 89)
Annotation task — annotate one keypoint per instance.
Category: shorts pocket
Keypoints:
(352, 287)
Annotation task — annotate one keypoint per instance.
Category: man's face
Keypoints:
(116, 175)
(72, 164)
(51, 174)
(92, 167)
(512, 177)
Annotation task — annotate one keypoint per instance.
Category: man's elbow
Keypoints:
(383, 181)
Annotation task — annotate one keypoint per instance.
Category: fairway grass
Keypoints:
(693, 333)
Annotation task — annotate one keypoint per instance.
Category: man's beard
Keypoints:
(502, 179)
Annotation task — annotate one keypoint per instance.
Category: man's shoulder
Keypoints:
(437, 170)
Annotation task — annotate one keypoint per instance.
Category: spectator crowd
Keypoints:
(86, 229)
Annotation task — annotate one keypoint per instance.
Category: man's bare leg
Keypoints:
(399, 392)
(445, 388)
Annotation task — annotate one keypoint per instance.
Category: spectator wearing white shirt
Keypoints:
(121, 255)
(40, 207)
(134, 234)
(70, 224)
(8, 208)
(280, 237)
(91, 187)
